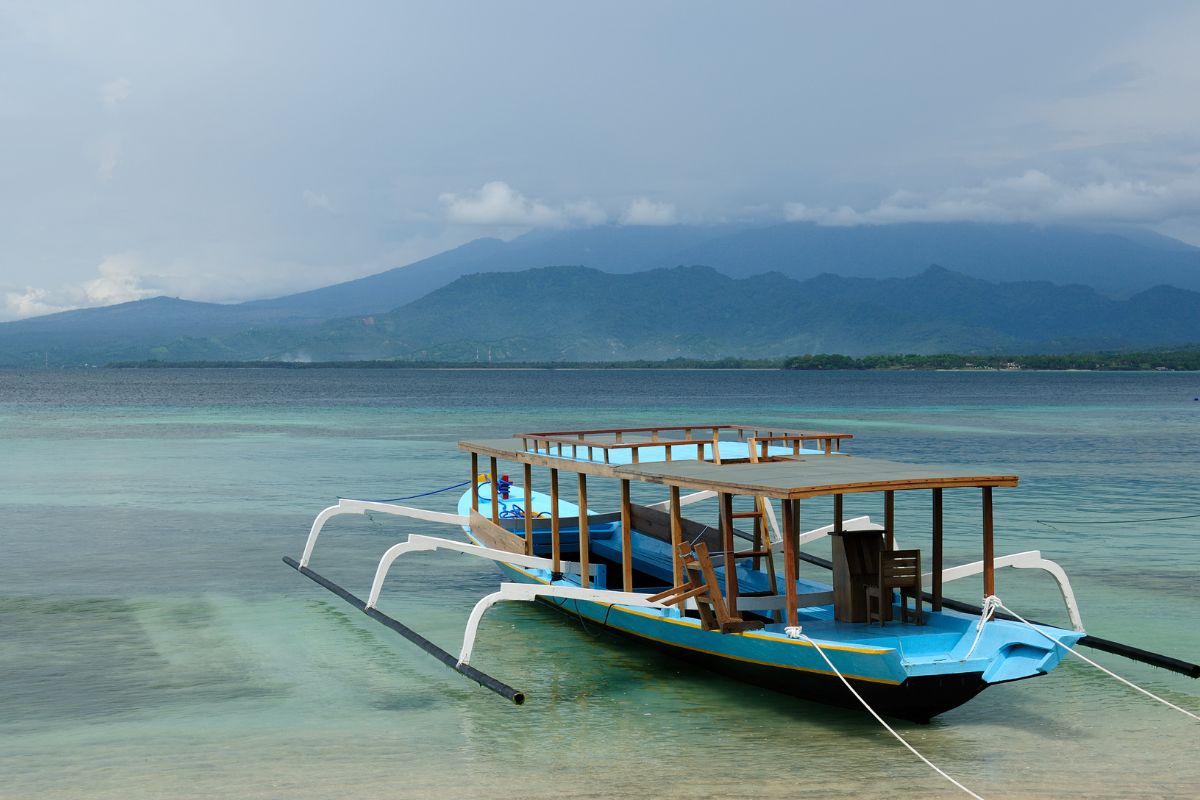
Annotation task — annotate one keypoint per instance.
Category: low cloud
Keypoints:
(317, 200)
(114, 93)
(644, 211)
(110, 156)
(119, 281)
(1033, 196)
(496, 203)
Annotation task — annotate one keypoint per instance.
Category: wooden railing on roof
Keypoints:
(609, 439)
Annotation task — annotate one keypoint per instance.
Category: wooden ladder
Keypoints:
(762, 537)
(702, 585)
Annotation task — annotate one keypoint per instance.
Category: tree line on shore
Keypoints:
(1186, 359)
(1180, 359)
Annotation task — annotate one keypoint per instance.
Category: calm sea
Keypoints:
(153, 645)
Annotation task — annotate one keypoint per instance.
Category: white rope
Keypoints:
(890, 730)
(989, 610)
(1130, 684)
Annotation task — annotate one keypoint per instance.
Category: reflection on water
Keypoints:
(155, 646)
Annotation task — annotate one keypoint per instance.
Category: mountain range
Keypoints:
(614, 292)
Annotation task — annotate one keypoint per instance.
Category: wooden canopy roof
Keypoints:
(788, 478)
(809, 476)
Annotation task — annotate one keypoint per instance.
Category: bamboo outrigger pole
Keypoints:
(451, 661)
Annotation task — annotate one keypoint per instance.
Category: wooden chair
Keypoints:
(898, 569)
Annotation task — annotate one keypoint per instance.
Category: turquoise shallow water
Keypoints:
(153, 645)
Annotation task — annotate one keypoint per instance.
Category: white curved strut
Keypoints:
(418, 543)
(364, 506)
(530, 591)
(1030, 559)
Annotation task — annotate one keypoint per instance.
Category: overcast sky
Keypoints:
(225, 151)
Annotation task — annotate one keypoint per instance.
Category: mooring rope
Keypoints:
(879, 719)
(415, 496)
(1105, 670)
(987, 612)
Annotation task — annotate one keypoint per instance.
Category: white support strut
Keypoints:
(852, 524)
(1030, 559)
(364, 506)
(529, 592)
(419, 543)
(686, 500)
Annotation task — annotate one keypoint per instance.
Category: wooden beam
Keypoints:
(676, 537)
(731, 585)
(584, 578)
(791, 551)
(989, 551)
(474, 481)
(528, 509)
(555, 545)
(889, 519)
(838, 513)
(495, 490)
(937, 550)
(626, 539)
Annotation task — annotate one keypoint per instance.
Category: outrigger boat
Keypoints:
(729, 596)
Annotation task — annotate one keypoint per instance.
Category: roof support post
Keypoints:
(495, 490)
(989, 550)
(584, 578)
(474, 481)
(626, 539)
(731, 584)
(791, 553)
(889, 519)
(937, 550)
(838, 513)
(676, 538)
(528, 509)
(555, 545)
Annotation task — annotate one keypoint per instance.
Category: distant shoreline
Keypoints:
(1182, 360)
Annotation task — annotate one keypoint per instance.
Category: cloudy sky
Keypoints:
(225, 151)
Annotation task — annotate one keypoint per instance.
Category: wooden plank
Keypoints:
(989, 551)
(763, 540)
(493, 536)
(791, 552)
(937, 550)
(528, 509)
(687, 591)
(731, 580)
(555, 544)
(710, 577)
(652, 522)
(474, 481)
(704, 607)
(626, 539)
(889, 519)
(584, 554)
(495, 491)
(676, 536)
